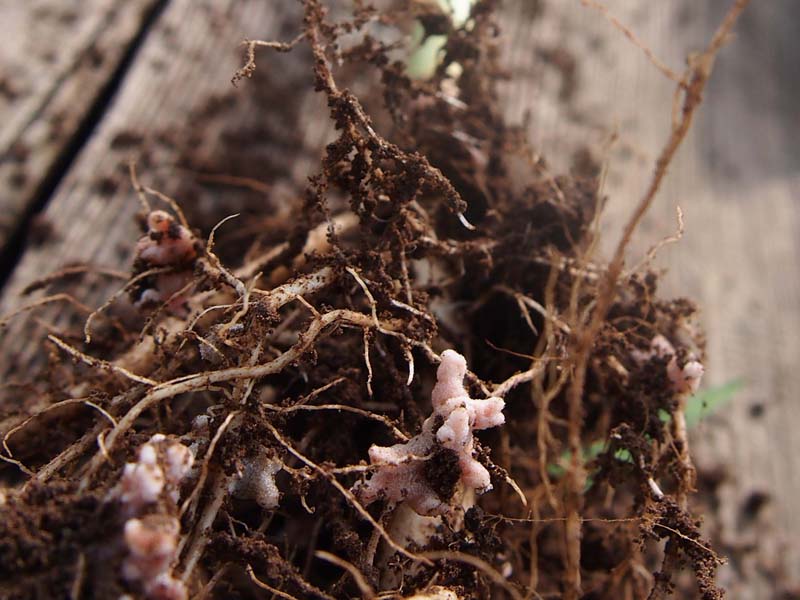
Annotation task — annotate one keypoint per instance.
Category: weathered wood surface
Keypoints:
(56, 60)
(735, 179)
(175, 114)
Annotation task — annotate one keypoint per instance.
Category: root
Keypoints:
(651, 254)
(358, 577)
(250, 66)
(87, 328)
(190, 504)
(68, 272)
(479, 564)
(351, 499)
(43, 302)
(343, 407)
(100, 364)
(654, 60)
(201, 381)
(143, 191)
(322, 343)
(693, 84)
(220, 491)
(71, 401)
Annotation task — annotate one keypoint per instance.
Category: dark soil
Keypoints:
(450, 237)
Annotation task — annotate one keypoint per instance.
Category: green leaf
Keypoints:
(699, 406)
(425, 58)
(426, 52)
(706, 402)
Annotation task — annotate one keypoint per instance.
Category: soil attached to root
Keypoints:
(428, 227)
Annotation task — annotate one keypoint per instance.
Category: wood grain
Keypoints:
(56, 59)
(181, 78)
(736, 180)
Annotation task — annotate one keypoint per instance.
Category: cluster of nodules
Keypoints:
(148, 492)
(684, 375)
(149, 488)
(400, 473)
(172, 249)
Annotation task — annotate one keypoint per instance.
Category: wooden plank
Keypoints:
(738, 258)
(736, 180)
(743, 267)
(55, 61)
(176, 113)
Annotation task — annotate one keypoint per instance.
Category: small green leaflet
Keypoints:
(708, 401)
(699, 406)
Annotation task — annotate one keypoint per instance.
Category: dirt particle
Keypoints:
(757, 410)
(19, 152)
(8, 89)
(41, 231)
(442, 472)
(18, 178)
(126, 139)
(105, 186)
(754, 504)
